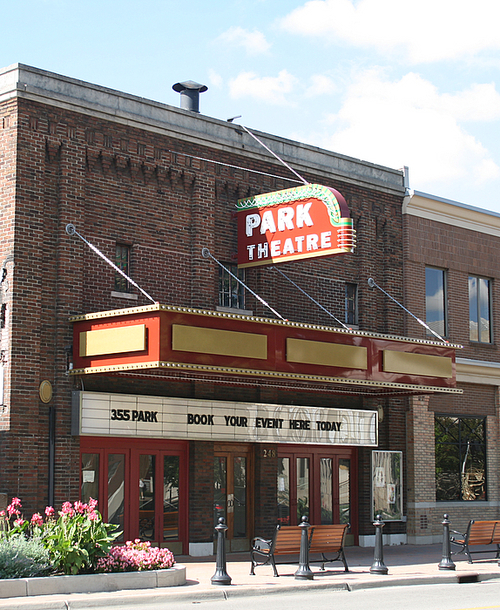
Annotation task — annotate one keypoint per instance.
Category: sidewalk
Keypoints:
(407, 565)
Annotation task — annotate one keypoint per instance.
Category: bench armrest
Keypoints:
(463, 536)
(257, 543)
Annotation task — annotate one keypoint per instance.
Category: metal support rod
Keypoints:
(205, 252)
(309, 297)
(446, 562)
(221, 577)
(304, 571)
(274, 154)
(71, 230)
(372, 283)
(378, 565)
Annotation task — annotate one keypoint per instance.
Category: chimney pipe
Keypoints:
(190, 94)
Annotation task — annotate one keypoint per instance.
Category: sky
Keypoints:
(398, 83)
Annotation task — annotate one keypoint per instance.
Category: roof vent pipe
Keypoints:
(190, 94)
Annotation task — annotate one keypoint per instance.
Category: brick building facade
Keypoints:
(449, 247)
(150, 186)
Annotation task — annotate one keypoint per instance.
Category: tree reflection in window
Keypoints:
(460, 458)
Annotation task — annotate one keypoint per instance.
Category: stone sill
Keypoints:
(93, 583)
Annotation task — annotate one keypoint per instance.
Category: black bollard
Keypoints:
(221, 577)
(304, 572)
(446, 562)
(378, 566)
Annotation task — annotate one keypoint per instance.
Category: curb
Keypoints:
(189, 593)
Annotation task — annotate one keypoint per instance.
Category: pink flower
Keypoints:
(2, 513)
(49, 511)
(37, 519)
(67, 509)
(18, 522)
(12, 510)
(16, 502)
(80, 507)
(92, 503)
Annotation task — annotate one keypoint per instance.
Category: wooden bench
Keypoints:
(328, 539)
(286, 541)
(479, 533)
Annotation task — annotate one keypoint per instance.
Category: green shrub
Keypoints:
(78, 538)
(74, 541)
(23, 558)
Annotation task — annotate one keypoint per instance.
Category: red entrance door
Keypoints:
(318, 482)
(141, 485)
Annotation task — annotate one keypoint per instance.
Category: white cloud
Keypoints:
(215, 78)
(408, 122)
(426, 30)
(254, 43)
(320, 85)
(269, 89)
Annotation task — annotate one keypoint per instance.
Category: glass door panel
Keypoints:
(316, 482)
(284, 491)
(344, 490)
(116, 490)
(302, 487)
(239, 497)
(147, 508)
(220, 478)
(90, 478)
(170, 497)
(326, 490)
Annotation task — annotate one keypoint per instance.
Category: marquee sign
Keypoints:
(293, 224)
(103, 414)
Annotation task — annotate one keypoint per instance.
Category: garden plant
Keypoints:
(76, 540)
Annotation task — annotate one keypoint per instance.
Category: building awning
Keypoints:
(202, 344)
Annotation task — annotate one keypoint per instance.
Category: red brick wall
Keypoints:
(115, 182)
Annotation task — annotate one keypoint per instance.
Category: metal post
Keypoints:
(304, 572)
(378, 566)
(221, 577)
(446, 562)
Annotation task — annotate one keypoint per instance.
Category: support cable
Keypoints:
(274, 154)
(205, 252)
(310, 297)
(71, 230)
(372, 283)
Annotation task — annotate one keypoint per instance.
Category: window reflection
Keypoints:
(460, 458)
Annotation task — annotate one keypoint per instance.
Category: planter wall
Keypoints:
(93, 583)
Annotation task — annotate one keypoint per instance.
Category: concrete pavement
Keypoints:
(407, 565)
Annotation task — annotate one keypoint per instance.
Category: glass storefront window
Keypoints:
(460, 458)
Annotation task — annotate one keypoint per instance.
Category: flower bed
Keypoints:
(76, 541)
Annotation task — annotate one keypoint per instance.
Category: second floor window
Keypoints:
(231, 292)
(479, 309)
(122, 261)
(435, 300)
